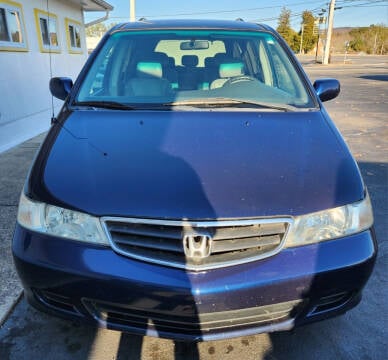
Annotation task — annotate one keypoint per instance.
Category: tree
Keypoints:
(371, 40)
(380, 39)
(112, 25)
(285, 30)
(309, 38)
(96, 30)
(284, 26)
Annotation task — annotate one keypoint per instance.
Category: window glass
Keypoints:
(53, 32)
(200, 68)
(172, 49)
(73, 36)
(77, 36)
(12, 31)
(3, 26)
(14, 26)
(44, 31)
(47, 30)
(101, 74)
(284, 81)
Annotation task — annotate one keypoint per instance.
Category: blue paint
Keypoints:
(202, 164)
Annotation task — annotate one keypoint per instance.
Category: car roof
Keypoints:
(145, 24)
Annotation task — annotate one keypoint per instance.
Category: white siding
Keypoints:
(25, 100)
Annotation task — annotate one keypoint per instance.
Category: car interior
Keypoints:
(172, 67)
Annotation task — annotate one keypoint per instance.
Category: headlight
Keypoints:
(60, 222)
(331, 224)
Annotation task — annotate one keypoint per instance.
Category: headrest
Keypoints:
(149, 69)
(220, 57)
(231, 69)
(160, 57)
(171, 61)
(209, 62)
(190, 60)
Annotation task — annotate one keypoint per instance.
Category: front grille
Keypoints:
(197, 245)
(122, 316)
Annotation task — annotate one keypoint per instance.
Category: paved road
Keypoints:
(14, 165)
(351, 61)
(361, 114)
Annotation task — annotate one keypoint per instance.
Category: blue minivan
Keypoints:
(193, 187)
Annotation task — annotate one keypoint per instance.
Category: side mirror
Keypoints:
(327, 89)
(60, 87)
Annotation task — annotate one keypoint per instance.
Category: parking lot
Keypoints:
(360, 112)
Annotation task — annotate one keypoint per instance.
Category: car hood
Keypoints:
(195, 165)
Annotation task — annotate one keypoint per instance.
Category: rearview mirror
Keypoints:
(327, 89)
(60, 87)
(195, 45)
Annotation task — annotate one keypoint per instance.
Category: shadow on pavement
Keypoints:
(381, 77)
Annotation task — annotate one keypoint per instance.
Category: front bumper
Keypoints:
(95, 284)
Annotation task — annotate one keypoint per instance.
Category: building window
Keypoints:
(47, 29)
(73, 34)
(12, 30)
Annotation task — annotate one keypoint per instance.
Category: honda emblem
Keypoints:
(197, 247)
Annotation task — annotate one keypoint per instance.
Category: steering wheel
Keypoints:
(237, 79)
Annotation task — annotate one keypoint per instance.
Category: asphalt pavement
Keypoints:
(360, 112)
(14, 165)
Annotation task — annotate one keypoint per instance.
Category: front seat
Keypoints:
(149, 81)
(226, 71)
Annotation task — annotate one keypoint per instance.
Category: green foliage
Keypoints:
(295, 41)
(96, 30)
(99, 29)
(309, 39)
(111, 25)
(371, 40)
(284, 29)
(284, 26)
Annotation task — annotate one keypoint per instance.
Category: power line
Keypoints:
(232, 10)
(221, 11)
(364, 6)
(292, 16)
(261, 8)
(353, 3)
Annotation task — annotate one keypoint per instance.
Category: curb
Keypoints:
(4, 317)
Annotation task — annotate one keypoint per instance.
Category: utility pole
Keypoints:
(301, 40)
(321, 20)
(329, 32)
(132, 16)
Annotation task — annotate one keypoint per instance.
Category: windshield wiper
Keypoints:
(203, 102)
(104, 105)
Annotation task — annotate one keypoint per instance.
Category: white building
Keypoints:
(33, 35)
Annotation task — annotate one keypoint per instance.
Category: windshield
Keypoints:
(197, 68)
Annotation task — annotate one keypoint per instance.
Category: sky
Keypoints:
(352, 12)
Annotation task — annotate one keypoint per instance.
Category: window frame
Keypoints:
(44, 15)
(12, 45)
(76, 24)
